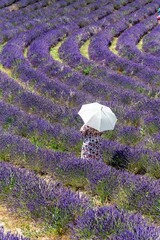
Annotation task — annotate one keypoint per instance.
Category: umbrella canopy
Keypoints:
(98, 116)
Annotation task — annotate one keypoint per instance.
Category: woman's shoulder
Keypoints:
(84, 127)
(87, 130)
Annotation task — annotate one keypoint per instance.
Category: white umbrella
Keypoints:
(98, 116)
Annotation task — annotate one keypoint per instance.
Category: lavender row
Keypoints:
(126, 44)
(101, 70)
(136, 159)
(22, 7)
(55, 9)
(5, 3)
(128, 191)
(49, 201)
(108, 14)
(133, 192)
(12, 20)
(37, 130)
(9, 30)
(76, 60)
(10, 236)
(42, 8)
(114, 223)
(99, 52)
(12, 92)
(20, 151)
(77, 55)
(91, 85)
(73, 78)
(54, 64)
(31, 102)
(21, 21)
(30, 22)
(54, 89)
(151, 42)
(16, 45)
(71, 8)
(69, 51)
(37, 80)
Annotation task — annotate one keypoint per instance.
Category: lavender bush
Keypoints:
(110, 223)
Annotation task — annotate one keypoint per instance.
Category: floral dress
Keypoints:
(92, 146)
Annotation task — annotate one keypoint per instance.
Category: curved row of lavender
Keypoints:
(151, 42)
(41, 95)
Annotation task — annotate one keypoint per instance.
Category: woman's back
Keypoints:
(92, 147)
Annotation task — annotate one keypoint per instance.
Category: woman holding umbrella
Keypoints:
(158, 15)
(97, 119)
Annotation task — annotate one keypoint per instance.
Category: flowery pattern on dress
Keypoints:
(92, 146)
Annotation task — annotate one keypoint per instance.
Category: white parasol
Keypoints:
(98, 116)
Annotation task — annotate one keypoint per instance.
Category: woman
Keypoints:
(92, 146)
(158, 15)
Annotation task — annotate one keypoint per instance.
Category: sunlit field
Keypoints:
(55, 56)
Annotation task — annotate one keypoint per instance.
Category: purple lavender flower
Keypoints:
(109, 222)
(9, 236)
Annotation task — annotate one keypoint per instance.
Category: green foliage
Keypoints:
(54, 51)
(14, 73)
(60, 218)
(153, 144)
(84, 49)
(1, 92)
(137, 167)
(6, 187)
(121, 198)
(151, 128)
(140, 89)
(111, 135)
(104, 189)
(87, 70)
(16, 62)
(10, 98)
(153, 170)
(130, 139)
(5, 154)
(8, 122)
(113, 44)
(31, 85)
(1, 47)
(71, 178)
(45, 141)
(104, 195)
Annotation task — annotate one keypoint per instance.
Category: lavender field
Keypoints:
(56, 55)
